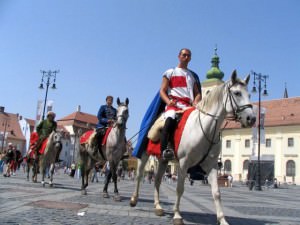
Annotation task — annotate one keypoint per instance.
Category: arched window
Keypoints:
(227, 166)
(246, 165)
(290, 168)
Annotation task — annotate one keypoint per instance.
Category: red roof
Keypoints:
(279, 112)
(80, 117)
(10, 122)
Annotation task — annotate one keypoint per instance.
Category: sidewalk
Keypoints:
(23, 202)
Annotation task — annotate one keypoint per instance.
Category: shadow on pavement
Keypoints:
(191, 217)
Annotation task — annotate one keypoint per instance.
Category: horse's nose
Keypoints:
(251, 120)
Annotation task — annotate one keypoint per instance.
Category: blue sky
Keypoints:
(122, 47)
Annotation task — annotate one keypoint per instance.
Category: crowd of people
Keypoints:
(10, 160)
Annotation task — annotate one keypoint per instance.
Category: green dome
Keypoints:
(215, 72)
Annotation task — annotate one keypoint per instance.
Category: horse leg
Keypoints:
(139, 176)
(27, 170)
(51, 171)
(177, 219)
(107, 180)
(117, 197)
(160, 172)
(34, 170)
(212, 179)
(83, 185)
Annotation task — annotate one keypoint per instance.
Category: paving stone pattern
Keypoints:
(23, 202)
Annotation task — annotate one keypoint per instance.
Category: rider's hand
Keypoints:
(172, 102)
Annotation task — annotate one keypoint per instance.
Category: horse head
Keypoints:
(55, 140)
(237, 103)
(122, 112)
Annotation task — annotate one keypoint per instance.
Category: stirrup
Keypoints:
(168, 154)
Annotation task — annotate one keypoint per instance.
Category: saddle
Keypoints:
(153, 147)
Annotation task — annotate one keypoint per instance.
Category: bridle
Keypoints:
(236, 109)
(124, 118)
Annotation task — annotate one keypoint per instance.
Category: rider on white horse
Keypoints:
(45, 128)
(179, 90)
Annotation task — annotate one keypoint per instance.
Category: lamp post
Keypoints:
(259, 78)
(49, 77)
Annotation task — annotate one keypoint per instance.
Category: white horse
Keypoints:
(47, 159)
(200, 142)
(113, 151)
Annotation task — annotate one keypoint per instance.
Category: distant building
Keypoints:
(10, 131)
(76, 124)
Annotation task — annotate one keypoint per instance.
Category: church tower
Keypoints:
(214, 76)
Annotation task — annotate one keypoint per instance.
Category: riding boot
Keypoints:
(57, 156)
(166, 136)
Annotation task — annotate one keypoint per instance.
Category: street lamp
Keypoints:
(259, 78)
(49, 77)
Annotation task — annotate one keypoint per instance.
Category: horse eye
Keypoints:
(238, 93)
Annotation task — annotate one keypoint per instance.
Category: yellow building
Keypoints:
(280, 143)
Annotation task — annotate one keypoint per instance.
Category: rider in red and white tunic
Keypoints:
(179, 91)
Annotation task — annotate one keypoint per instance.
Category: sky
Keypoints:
(122, 48)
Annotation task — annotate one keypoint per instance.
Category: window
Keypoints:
(268, 143)
(290, 142)
(290, 168)
(246, 165)
(247, 143)
(228, 144)
(227, 166)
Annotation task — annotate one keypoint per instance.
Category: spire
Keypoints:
(215, 72)
(285, 95)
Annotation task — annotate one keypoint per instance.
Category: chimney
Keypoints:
(2, 109)
(78, 108)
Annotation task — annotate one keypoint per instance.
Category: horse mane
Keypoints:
(50, 141)
(212, 97)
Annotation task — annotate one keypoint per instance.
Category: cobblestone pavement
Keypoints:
(23, 202)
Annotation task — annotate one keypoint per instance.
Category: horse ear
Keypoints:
(247, 79)
(233, 77)
(118, 101)
(127, 101)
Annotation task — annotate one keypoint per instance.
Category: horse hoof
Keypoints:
(51, 184)
(83, 192)
(178, 221)
(117, 198)
(159, 212)
(105, 195)
(133, 201)
(43, 183)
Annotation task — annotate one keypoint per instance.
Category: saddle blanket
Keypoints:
(153, 148)
(34, 137)
(86, 136)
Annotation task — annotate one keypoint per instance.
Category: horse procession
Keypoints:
(194, 140)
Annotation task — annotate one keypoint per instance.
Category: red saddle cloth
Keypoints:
(34, 137)
(153, 148)
(85, 137)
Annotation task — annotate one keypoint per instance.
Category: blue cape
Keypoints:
(156, 107)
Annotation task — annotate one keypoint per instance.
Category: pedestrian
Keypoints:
(73, 169)
(151, 175)
(95, 172)
(106, 171)
(180, 89)
(9, 160)
(230, 180)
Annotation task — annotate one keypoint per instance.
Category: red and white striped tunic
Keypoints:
(181, 83)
